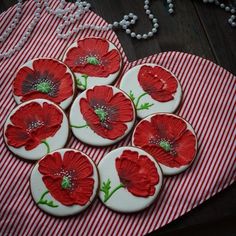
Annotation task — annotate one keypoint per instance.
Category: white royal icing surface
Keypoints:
(129, 82)
(57, 141)
(93, 80)
(166, 169)
(122, 200)
(87, 135)
(66, 103)
(38, 187)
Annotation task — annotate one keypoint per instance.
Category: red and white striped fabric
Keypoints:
(208, 104)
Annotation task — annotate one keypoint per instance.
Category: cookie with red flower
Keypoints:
(44, 78)
(64, 182)
(94, 61)
(35, 128)
(152, 89)
(102, 115)
(169, 139)
(133, 181)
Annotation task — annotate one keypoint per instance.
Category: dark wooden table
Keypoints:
(196, 28)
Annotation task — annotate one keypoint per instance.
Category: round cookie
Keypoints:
(35, 128)
(102, 115)
(94, 61)
(169, 139)
(152, 89)
(64, 182)
(130, 179)
(44, 78)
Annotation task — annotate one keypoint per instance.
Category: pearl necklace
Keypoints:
(80, 8)
(26, 35)
(227, 8)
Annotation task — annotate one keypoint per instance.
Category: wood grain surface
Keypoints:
(196, 28)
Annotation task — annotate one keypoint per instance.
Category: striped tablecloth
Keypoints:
(208, 104)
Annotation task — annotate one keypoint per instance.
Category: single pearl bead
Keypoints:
(222, 5)
(144, 36)
(109, 26)
(138, 36)
(132, 22)
(154, 30)
(148, 12)
(115, 23)
(126, 17)
(227, 8)
(171, 5)
(154, 20)
(128, 31)
(133, 35)
(151, 16)
(150, 34)
(146, 7)
(155, 25)
(170, 10)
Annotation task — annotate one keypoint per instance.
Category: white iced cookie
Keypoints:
(44, 78)
(35, 128)
(64, 182)
(152, 89)
(94, 61)
(169, 139)
(102, 115)
(130, 179)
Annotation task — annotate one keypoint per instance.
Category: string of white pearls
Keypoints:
(26, 34)
(227, 8)
(13, 23)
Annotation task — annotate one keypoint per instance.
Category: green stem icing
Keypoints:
(47, 145)
(106, 186)
(79, 126)
(45, 201)
(142, 95)
(83, 85)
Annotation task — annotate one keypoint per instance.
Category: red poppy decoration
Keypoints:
(68, 179)
(159, 83)
(137, 173)
(33, 123)
(92, 57)
(48, 79)
(105, 112)
(166, 138)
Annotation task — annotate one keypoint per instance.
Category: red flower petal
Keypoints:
(78, 167)
(16, 136)
(171, 129)
(144, 132)
(24, 75)
(75, 160)
(168, 127)
(53, 184)
(185, 148)
(50, 164)
(119, 110)
(158, 83)
(109, 61)
(51, 70)
(48, 121)
(137, 173)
